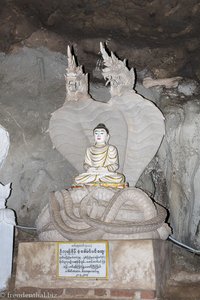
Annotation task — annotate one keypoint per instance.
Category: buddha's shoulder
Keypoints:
(112, 148)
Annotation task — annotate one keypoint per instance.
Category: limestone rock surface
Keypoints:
(31, 88)
(179, 159)
(161, 36)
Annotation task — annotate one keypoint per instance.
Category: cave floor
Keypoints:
(183, 281)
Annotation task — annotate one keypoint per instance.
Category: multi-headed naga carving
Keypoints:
(76, 80)
(116, 72)
(100, 204)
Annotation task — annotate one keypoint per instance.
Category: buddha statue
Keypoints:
(101, 162)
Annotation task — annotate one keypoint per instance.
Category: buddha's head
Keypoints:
(101, 134)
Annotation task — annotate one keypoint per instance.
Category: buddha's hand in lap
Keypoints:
(98, 170)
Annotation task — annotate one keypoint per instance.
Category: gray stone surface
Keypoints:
(32, 87)
(180, 162)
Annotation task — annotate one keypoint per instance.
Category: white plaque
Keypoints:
(82, 259)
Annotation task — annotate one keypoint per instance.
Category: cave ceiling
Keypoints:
(160, 35)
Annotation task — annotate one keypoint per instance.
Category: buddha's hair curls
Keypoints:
(101, 126)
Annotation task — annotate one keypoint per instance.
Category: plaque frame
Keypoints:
(106, 243)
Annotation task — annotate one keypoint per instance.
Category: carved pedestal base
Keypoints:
(136, 269)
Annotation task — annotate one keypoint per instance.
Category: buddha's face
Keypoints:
(100, 136)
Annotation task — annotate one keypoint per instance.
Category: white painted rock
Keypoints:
(4, 145)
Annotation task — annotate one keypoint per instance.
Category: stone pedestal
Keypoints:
(136, 269)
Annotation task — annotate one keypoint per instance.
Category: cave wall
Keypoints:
(32, 87)
(179, 158)
(160, 35)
